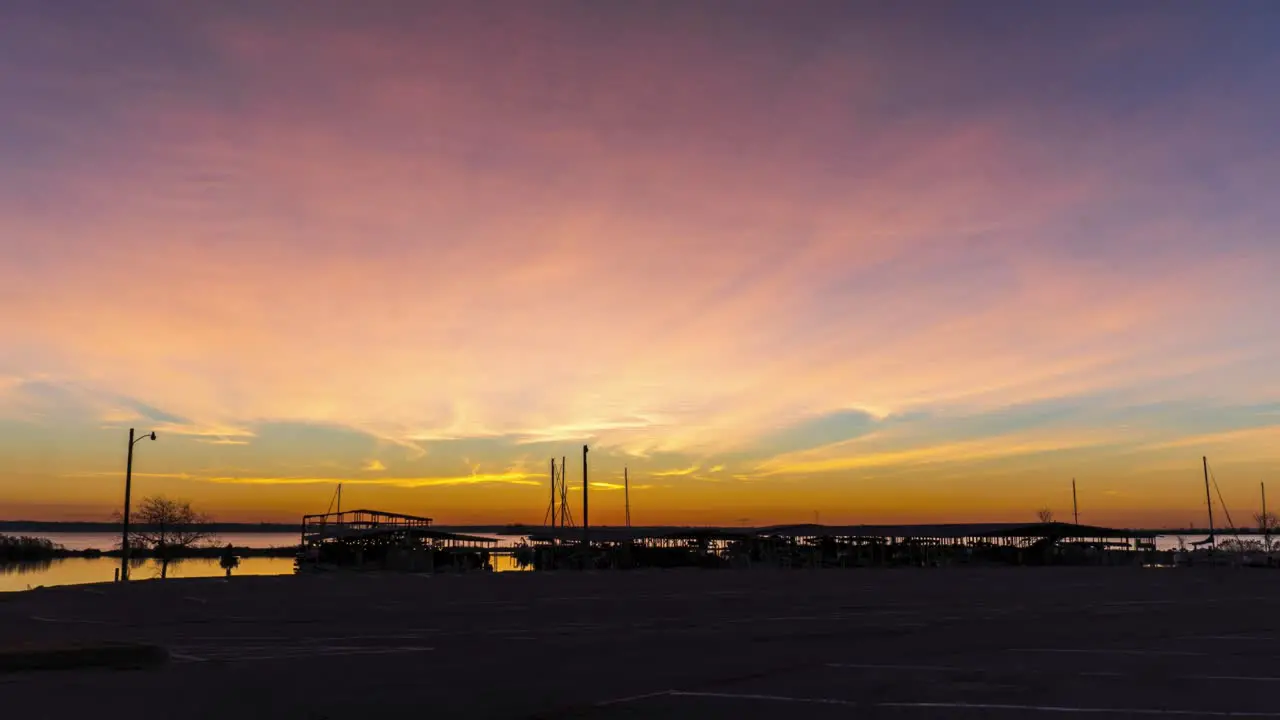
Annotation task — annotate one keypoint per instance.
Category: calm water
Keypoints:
(110, 541)
(90, 570)
(74, 571)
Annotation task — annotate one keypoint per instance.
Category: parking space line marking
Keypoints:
(1014, 671)
(769, 698)
(927, 668)
(1250, 638)
(37, 618)
(1076, 710)
(303, 655)
(632, 698)
(1103, 651)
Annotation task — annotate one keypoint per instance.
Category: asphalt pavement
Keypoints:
(893, 643)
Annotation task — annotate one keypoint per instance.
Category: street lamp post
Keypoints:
(128, 488)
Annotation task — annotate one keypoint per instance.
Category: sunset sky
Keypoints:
(886, 262)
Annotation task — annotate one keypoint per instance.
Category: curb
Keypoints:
(118, 656)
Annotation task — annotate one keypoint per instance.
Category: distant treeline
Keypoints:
(38, 526)
(18, 549)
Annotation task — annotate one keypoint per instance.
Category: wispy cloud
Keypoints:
(618, 486)
(581, 430)
(120, 473)
(374, 465)
(1268, 436)
(847, 456)
(675, 473)
(202, 431)
(120, 415)
(401, 482)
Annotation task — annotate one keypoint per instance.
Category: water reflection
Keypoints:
(76, 571)
(25, 567)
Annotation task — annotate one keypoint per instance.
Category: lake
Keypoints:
(75, 571)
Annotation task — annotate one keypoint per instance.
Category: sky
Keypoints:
(853, 262)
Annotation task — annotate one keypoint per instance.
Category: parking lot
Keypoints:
(918, 643)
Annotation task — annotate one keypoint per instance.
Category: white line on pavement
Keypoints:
(770, 698)
(975, 706)
(1104, 651)
(302, 655)
(1249, 638)
(923, 668)
(1076, 710)
(632, 698)
(1240, 678)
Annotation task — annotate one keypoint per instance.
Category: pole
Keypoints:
(1075, 507)
(564, 494)
(1209, 500)
(124, 531)
(586, 519)
(626, 491)
(1266, 521)
(339, 502)
(553, 492)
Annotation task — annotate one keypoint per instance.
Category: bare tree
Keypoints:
(1266, 521)
(169, 527)
(1045, 515)
(1266, 524)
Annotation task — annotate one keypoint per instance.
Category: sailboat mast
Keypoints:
(1075, 507)
(626, 490)
(586, 517)
(1266, 519)
(1209, 500)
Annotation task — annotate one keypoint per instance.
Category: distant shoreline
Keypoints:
(60, 553)
(9, 527)
(15, 527)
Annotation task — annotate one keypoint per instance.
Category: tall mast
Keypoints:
(566, 517)
(553, 492)
(1209, 499)
(1075, 507)
(586, 519)
(626, 491)
(339, 499)
(1266, 520)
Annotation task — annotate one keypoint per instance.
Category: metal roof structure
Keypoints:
(337, 532)
(367, 517)
(957, 530)
(350, 524)
(946, 531)
(623, 534)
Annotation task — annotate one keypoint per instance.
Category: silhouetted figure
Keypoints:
(229, 559)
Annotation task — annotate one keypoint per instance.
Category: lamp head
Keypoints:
(153, 434)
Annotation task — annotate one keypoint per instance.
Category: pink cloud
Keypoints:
(481, 226)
